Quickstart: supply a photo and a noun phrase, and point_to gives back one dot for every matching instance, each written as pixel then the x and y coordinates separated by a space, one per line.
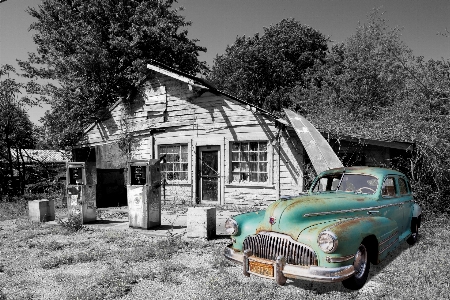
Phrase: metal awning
pixel 319 151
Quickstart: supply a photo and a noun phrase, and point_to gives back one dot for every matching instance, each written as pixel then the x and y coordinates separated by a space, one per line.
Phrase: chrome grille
pixel 270 245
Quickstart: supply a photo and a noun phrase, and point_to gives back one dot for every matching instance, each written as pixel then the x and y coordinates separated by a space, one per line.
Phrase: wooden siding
pixel 167 111
pixel 291 164
pixel 110 156
pixel 178 193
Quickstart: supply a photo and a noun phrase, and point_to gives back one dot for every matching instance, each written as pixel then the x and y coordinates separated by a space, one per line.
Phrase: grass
pixel 41 261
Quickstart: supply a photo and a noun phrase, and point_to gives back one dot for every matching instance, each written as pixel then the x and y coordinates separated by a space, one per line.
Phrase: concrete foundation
pixel 41 210
pixel 201 222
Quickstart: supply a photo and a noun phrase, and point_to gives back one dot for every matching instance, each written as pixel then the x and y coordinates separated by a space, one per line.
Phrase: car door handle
pixel 370 212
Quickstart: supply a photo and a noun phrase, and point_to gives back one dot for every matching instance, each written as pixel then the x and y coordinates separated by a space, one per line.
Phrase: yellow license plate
pixel 260 268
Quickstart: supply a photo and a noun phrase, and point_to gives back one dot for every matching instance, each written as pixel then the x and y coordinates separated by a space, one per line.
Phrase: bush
pixel 13 208
pixel 72 224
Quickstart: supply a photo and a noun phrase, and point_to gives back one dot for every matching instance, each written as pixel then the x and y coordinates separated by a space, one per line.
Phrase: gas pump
pixel 144 193
pixel 80 193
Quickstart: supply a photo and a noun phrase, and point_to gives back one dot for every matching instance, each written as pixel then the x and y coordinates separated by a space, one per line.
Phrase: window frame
pixel 407 187
pixel 188 162
pixel 268 162
pixel 396 188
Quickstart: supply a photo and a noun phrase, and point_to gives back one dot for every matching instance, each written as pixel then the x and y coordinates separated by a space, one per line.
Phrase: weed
pixel 168 272
pixel 13 208
pixel 72 224
pixel 70 259
pixel 49 245
pixel 168 246
pixel 138 254
pixel 64 278
pixel 219 288
pixel 114 283
pixel 219 261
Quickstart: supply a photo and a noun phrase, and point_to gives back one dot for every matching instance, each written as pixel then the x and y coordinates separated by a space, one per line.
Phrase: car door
pixel 406 198
pixel 391 205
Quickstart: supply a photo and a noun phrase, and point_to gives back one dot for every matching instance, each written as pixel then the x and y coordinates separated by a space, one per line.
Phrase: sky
pixel 217 23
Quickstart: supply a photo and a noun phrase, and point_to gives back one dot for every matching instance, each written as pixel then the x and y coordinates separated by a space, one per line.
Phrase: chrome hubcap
pixel 360 263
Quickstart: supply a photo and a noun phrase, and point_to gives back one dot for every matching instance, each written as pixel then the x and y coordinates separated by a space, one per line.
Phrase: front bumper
pixel 283 270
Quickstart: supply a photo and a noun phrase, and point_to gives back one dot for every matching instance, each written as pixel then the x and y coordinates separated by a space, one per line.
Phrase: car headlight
pixel 231 226
pixel 327 241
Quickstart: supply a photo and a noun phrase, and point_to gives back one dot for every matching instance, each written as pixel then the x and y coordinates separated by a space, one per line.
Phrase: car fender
pixel 417 210
pixel 350 233
pixel 247 224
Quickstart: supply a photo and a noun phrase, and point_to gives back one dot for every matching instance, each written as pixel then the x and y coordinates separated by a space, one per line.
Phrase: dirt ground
pixel 47 261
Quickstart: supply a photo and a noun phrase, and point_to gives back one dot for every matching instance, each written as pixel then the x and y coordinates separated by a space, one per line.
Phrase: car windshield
pixel 355 183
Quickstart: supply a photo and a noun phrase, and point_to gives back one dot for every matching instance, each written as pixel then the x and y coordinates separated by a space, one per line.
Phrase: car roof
pixel 375 171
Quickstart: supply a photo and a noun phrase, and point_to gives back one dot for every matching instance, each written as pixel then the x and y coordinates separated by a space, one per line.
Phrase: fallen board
pixel 319 151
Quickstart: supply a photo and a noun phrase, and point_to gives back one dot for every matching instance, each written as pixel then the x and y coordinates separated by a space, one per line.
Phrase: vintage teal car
pixel 349 218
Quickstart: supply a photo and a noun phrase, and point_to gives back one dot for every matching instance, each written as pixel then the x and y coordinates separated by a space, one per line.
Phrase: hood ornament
pixel 272 220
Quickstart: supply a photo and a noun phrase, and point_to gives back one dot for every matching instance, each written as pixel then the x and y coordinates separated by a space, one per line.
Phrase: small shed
pixel 215 148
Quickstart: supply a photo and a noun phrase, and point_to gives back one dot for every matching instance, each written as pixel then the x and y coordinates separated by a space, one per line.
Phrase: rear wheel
pixel 414 231
pixel 362 266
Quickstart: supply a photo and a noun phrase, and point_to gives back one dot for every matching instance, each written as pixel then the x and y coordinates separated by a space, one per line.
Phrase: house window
pixel 176 166
pixel 249 162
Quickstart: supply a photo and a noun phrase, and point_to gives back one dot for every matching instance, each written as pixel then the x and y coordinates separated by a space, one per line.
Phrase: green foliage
pixel 263 69
pixel 97 52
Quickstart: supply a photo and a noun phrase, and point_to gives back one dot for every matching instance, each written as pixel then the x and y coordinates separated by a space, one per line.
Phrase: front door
pixel 111 189
pixel 208 173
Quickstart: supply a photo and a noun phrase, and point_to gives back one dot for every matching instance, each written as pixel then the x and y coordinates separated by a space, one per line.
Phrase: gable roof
pixel 205 84
pixel 195 82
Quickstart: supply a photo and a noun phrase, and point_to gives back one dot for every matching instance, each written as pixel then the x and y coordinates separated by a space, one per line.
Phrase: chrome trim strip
pixel 342 221
pixel 395 233
pixel 324 213
pixel 393 242
pixel 339 259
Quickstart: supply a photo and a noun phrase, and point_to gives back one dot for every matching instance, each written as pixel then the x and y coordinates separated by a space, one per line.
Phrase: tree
pixel 15 133
pixel 263 69
pixel 372 86
pixel 97 51
pixel 362 75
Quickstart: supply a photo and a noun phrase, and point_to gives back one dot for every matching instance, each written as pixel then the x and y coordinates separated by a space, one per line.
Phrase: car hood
pixel 293 216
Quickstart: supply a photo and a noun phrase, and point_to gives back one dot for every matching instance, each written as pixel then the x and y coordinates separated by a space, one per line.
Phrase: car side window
pixel 388 189
pixel 403 187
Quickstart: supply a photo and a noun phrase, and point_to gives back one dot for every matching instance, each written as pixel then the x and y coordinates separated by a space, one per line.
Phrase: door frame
pixel 200 150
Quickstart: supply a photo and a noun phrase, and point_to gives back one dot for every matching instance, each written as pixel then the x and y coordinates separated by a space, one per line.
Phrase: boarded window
pixel 249 162
pixel 176 166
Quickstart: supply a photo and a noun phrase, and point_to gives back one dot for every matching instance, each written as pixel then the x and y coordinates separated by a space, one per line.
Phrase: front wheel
pixel 362 266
